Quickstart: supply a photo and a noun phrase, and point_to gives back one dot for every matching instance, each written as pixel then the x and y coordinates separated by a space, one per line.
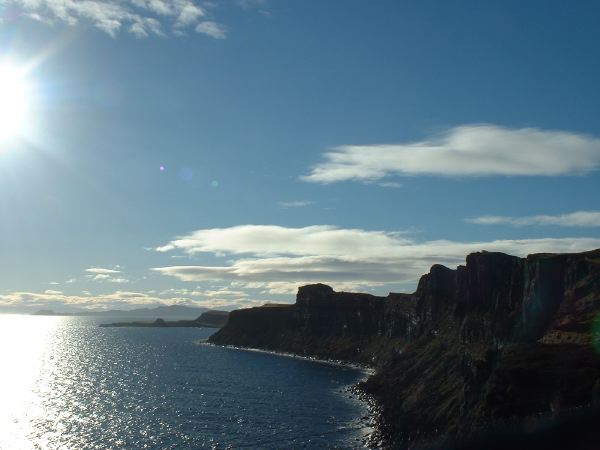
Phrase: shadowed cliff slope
pixel 495 341
pixel 326 324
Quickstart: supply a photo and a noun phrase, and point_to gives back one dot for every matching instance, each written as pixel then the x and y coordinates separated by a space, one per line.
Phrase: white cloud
pixel 284 274
pixel 117 280
pixel 172 291
pixel 142 18
pixel 106 275
pixel 391 184
pixel 188 14
pixel 574 219
pixel 209 295
pixel 280 259
pixel 212 29
pixel 469 150
pixel 296 204
pixel 225 293
pixel 102 271
pixel 101 277
pixel 117 299
pixel 271 240
pixel 160 7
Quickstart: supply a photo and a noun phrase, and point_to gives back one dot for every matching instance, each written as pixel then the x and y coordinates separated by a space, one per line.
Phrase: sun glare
pixel 13 101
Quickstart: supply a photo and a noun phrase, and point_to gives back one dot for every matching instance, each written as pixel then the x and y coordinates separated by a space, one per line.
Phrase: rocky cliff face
pixel 326 324
pixel 499 339
pixel 213 318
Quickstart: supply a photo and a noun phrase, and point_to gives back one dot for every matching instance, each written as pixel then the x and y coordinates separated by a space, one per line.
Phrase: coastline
pixel 366 369
pixel 371 425
pixel 441 373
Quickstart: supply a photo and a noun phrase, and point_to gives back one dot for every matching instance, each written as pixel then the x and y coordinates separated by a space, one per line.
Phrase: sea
pixel 66 383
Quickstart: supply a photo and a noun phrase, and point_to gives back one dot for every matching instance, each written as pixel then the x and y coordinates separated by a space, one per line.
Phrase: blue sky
pixel 354 143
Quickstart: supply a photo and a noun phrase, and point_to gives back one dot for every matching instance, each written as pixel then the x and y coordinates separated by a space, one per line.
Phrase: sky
pixel 223 153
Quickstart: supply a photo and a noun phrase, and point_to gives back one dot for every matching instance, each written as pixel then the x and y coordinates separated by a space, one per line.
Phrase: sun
pixel 14 101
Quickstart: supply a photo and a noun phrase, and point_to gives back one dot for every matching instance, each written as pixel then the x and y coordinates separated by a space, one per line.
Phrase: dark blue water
pixel 67 383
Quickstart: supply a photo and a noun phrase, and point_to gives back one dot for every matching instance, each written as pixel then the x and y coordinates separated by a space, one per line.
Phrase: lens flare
pixel 14 101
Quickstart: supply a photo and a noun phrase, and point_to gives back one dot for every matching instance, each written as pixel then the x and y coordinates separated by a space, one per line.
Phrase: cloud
pixel 188 14
pixel 465 151
pixel 142 18
pixel 279 259
pixel 49 297
pixel 574 219
pixel 117 280
pixel 225 293
pixel 285 274
pixel 390 184
pixel 296 204
pixel 109 279
pixel 106 275
pixel 101 271
pixel 200 293
pixel 173 291
pixel 212 29
pixel 117 299
pixel 267 240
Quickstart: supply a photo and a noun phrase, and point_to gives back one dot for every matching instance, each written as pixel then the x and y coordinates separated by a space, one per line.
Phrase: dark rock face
pixel 325 324
pixel 498 340
pixel 314 295
pixel 213 318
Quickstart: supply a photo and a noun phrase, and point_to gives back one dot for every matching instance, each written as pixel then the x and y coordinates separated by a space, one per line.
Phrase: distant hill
pixel 208 319
pixel 164 312
pixel 47 312
pixel 173 312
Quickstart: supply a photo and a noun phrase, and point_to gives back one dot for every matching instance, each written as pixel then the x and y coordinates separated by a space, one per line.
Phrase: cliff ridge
pixel 498 340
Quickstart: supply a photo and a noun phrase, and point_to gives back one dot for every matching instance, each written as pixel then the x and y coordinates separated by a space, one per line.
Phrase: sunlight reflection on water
pixel 22 376
pixel 66 383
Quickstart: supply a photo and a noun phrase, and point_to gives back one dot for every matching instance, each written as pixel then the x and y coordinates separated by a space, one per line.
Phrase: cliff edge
pixel 501 340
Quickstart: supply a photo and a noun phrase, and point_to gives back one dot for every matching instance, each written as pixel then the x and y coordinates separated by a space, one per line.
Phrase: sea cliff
pixel 501 340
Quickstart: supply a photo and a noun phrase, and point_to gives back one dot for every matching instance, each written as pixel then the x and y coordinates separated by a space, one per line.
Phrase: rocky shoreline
pixel 500 342
pixel 366 369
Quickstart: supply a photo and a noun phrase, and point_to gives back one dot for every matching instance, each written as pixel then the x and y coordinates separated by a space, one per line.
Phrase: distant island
pixel 49 312
pixel 173 312
pixel 208 319
pixel 501 353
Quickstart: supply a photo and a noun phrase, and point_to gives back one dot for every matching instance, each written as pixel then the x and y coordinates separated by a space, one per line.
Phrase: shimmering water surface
pixel 67 383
